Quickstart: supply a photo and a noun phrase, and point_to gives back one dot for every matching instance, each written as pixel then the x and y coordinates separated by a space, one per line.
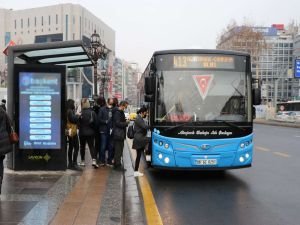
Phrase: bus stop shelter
pixel 36 95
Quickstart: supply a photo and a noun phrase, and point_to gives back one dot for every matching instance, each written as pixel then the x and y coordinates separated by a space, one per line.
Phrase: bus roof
pixel 200 51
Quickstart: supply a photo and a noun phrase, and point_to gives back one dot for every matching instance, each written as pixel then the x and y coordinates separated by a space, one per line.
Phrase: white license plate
pixel 204 162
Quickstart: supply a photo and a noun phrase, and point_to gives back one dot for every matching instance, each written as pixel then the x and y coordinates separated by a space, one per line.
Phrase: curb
pixel 277 123
pixel 142 214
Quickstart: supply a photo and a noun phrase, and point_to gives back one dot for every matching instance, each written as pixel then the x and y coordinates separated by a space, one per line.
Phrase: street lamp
pixel 97 50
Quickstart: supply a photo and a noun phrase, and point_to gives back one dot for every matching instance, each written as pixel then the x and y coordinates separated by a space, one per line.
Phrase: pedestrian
pixel 87 126
pixel 72 120
pixel 5 144
pixel 99 102
pixel 140 139
pixel 116 102
pixel 105 129
pixel 3 104
pixel 119 134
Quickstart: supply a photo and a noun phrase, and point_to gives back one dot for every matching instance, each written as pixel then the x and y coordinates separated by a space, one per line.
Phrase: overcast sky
pixel 145 26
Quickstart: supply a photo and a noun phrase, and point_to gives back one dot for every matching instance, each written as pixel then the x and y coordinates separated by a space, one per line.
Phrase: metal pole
pixel 275 94
pixel 95 78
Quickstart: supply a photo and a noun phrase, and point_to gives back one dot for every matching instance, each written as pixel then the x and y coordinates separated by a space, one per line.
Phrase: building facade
pixel 125 80
pixel 296 88
pixel 272 60
pixel 61 22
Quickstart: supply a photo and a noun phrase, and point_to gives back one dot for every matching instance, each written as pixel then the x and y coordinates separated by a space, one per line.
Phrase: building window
pixel 28 22
pixel 35 21
pixel 42 21
pixel 49 20
pixel 22 23
pixel 15 24
pixel 73 36
pixel 56 19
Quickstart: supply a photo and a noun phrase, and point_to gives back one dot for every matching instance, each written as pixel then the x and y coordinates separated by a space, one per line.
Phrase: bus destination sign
pixel 203 62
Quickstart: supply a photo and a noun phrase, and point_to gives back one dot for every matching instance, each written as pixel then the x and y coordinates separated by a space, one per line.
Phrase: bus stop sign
pixel 297 68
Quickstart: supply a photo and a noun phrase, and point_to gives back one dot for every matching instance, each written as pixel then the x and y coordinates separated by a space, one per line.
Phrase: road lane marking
pixel 262 149
pixel 282 154
pixel 152 213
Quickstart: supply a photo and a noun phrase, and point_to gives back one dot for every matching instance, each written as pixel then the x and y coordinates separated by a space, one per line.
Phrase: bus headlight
pixel 167 160
pixel 160 156
pixel 160 143
pixel 242 145
pixel 247 156
pixel 242 159
pixel 166 145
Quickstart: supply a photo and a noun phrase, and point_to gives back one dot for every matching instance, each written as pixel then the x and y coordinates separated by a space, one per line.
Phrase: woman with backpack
pixel 87 127
pixel 140 139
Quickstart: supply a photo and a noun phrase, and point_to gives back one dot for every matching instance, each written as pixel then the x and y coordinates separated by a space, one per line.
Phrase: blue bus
pixel 200 109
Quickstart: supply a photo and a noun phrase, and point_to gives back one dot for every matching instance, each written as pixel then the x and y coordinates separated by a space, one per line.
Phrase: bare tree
pixel 243 38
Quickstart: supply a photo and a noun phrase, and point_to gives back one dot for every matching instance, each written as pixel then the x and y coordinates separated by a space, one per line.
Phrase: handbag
pixel 130 132
pixel 13 136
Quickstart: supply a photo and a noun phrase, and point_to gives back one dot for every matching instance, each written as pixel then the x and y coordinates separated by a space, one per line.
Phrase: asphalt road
pixel 268 193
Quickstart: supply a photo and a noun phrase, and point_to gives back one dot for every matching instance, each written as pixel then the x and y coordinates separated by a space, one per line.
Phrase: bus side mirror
pixel 149 89
pixel 256 95
pixel 256 92
pixel 149 85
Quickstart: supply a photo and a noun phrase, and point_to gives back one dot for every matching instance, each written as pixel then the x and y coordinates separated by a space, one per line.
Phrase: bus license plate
pixel 204 162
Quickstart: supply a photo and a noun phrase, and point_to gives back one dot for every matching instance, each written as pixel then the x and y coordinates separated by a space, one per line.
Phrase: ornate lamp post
pixel 97 50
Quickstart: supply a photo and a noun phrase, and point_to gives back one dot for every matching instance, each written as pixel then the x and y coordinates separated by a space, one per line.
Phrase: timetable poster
pixel 39 110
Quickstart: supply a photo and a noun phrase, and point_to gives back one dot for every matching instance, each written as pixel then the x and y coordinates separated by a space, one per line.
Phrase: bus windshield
pixel 201 95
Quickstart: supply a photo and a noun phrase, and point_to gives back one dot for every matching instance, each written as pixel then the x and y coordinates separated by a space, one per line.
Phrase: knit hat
pixel 3 101
pixel 85 103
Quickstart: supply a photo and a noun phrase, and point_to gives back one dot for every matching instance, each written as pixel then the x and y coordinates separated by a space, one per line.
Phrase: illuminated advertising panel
pixel 40 110
pixel 297 68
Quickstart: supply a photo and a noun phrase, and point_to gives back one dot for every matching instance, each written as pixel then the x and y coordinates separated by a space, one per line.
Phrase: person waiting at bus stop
pixel 87 125
pixel 119 134
pixel 140 139
pixel 72 120
pixel 105 121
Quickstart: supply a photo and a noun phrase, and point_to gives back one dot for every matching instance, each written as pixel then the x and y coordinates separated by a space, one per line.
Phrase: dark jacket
pixel 87 122
pixel 105 119
pixel 5 145
pixel 72 117
pixel 140 132
pixel 119 125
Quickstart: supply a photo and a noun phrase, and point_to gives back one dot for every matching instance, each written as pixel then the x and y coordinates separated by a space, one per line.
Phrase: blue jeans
pixel 106 144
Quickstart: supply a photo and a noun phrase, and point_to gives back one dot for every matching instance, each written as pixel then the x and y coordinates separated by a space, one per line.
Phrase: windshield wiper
pixel 229 124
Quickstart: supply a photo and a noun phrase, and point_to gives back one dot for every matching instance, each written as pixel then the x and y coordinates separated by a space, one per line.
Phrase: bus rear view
pixel 201 109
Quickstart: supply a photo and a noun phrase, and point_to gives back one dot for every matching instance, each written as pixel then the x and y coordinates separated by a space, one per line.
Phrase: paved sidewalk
pixel 90 197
